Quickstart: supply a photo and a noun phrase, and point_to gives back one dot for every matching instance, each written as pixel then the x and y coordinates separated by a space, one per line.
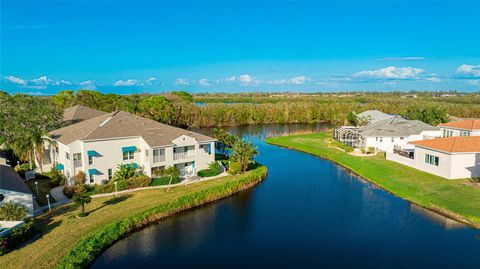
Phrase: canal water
pixel 308 213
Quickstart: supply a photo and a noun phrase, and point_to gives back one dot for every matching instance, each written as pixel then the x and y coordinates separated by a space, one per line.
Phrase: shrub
pixel 163 181
pixel 215 168
pixel 139 181
pixel 56 178
pixel 17 237
pixel 12 211
pixel 206 173
pixel 235 168
pixel 363 150
pixel 69 191
pixel 371 150
pixel 124 172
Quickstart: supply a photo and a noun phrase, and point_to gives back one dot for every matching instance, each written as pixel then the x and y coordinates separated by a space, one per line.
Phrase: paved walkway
pixel 57 194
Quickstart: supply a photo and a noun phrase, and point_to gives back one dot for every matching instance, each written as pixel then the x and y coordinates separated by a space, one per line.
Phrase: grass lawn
pixel 448 197
pixel 61 230
pixel 43 188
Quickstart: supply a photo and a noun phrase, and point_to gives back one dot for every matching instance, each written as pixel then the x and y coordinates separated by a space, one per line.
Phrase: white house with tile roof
pixel 98 146
pixel 469 127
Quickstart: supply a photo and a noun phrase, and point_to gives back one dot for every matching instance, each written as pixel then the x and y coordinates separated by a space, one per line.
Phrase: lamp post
pixel 48 200
pixel 36 187
pixel 115 188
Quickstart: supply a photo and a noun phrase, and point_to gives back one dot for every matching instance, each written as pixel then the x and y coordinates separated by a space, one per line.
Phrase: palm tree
pixel 171 172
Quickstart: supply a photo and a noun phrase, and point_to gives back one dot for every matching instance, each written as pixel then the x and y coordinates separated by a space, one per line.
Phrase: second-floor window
pixel 158 155
pixel 90 160
pixel 128 155
pixel 110 173
pixel 77 156
pixel 67 155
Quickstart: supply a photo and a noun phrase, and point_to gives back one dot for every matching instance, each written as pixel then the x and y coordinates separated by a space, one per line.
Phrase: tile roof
pixel 79 113
pixel 396 127
pixel 454 144
pixel 121 124
pixel 472 124
pixel 10 180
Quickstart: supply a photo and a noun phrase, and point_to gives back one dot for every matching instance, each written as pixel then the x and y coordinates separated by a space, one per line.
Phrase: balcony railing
pixel 182 155
pixel 158 159
pixel 77 163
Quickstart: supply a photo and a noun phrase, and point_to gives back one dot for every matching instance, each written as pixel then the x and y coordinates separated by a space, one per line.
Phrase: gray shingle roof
pixel 397 127
pixel 123 124
pixel 79 113
pixel 374 116
pixel 10 180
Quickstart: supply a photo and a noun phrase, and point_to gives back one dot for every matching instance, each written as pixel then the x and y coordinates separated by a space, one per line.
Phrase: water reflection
pixel 308 213
pixel 446 223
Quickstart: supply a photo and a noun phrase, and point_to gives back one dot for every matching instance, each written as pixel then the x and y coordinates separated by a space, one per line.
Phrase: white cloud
pixel 128 82
pixel 244 79
pixel 183 81
pixel 88 85
pixel 204 82
pixel 42 80
pixel 151 80
pixel 390 72
pixel 412 58
pixel 295 80
pixel 468 71
pixel 16 80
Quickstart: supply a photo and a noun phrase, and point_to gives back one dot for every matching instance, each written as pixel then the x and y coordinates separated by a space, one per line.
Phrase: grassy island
pixel 447 197
pixel 66 241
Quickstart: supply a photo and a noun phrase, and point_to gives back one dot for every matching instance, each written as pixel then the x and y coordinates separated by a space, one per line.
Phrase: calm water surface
pixel 308 213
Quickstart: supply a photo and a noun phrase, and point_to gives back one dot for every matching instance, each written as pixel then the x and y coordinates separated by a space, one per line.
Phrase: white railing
pixel 158 159
pixel 182 155
pixel 77 163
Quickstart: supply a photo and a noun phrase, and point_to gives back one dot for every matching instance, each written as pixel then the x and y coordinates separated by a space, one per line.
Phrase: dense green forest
pixel 224 109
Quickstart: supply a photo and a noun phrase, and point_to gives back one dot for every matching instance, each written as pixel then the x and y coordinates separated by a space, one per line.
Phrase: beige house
pixel 99 145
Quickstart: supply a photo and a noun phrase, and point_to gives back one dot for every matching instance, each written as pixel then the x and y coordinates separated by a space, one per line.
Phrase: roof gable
pixel 79 113
pixel 397 127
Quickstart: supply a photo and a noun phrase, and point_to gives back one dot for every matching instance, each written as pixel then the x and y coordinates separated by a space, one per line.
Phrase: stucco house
pixel 450 157
pixel 394 133
pixel 469 127
pixel 13 189
pixel 99 145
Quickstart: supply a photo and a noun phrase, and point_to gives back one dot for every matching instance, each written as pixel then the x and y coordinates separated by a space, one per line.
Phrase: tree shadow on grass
pixel 112 201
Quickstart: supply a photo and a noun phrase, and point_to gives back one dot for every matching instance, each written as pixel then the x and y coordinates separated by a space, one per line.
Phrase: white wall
pixel 400 159
pixel 466 165
pixel 458 132
pixel 387 143
pixel 445 162
pixel 24 199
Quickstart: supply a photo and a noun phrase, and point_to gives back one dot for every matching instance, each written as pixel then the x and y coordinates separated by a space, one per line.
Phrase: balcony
pixel 77 163
pixel 183 155
pixel 158 158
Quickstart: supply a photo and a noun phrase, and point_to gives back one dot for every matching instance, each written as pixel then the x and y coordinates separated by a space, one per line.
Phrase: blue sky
pixel 132 47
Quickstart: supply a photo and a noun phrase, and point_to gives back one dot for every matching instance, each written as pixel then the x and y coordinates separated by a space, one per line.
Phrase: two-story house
pixel 98 146
pixel 469 127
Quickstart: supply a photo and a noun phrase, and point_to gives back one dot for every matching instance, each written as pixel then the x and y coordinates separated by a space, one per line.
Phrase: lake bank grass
pixel 448 197
pixel 67 241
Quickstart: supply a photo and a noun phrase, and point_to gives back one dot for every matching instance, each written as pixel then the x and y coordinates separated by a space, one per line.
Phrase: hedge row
pixel 17 237
pixel 95 243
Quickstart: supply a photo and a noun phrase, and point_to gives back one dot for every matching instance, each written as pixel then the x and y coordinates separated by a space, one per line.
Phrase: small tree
pixel 225 140
pixel 243 153
pixel 214 168
pixel 79 178
pixel 124 172
pixel 171 172
pixel 12 211
pixel 81 197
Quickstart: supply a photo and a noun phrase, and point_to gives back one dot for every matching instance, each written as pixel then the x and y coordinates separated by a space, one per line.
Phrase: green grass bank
pixel 448 197
pixel 67 241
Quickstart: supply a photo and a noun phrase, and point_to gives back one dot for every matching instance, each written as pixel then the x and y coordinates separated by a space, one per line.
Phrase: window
pixel 444 133
pixel 158 155
pixel 128 155
pixel 77 156
pixel 146 153
pixel 392 139
pixel 433 160
pixel 376 138
pixel 464 133
pixel 381 139
pixel 67 155
pixel 401 138
pixel 90 160
pixel 207 148
pixel 110 173
pixel 91 178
